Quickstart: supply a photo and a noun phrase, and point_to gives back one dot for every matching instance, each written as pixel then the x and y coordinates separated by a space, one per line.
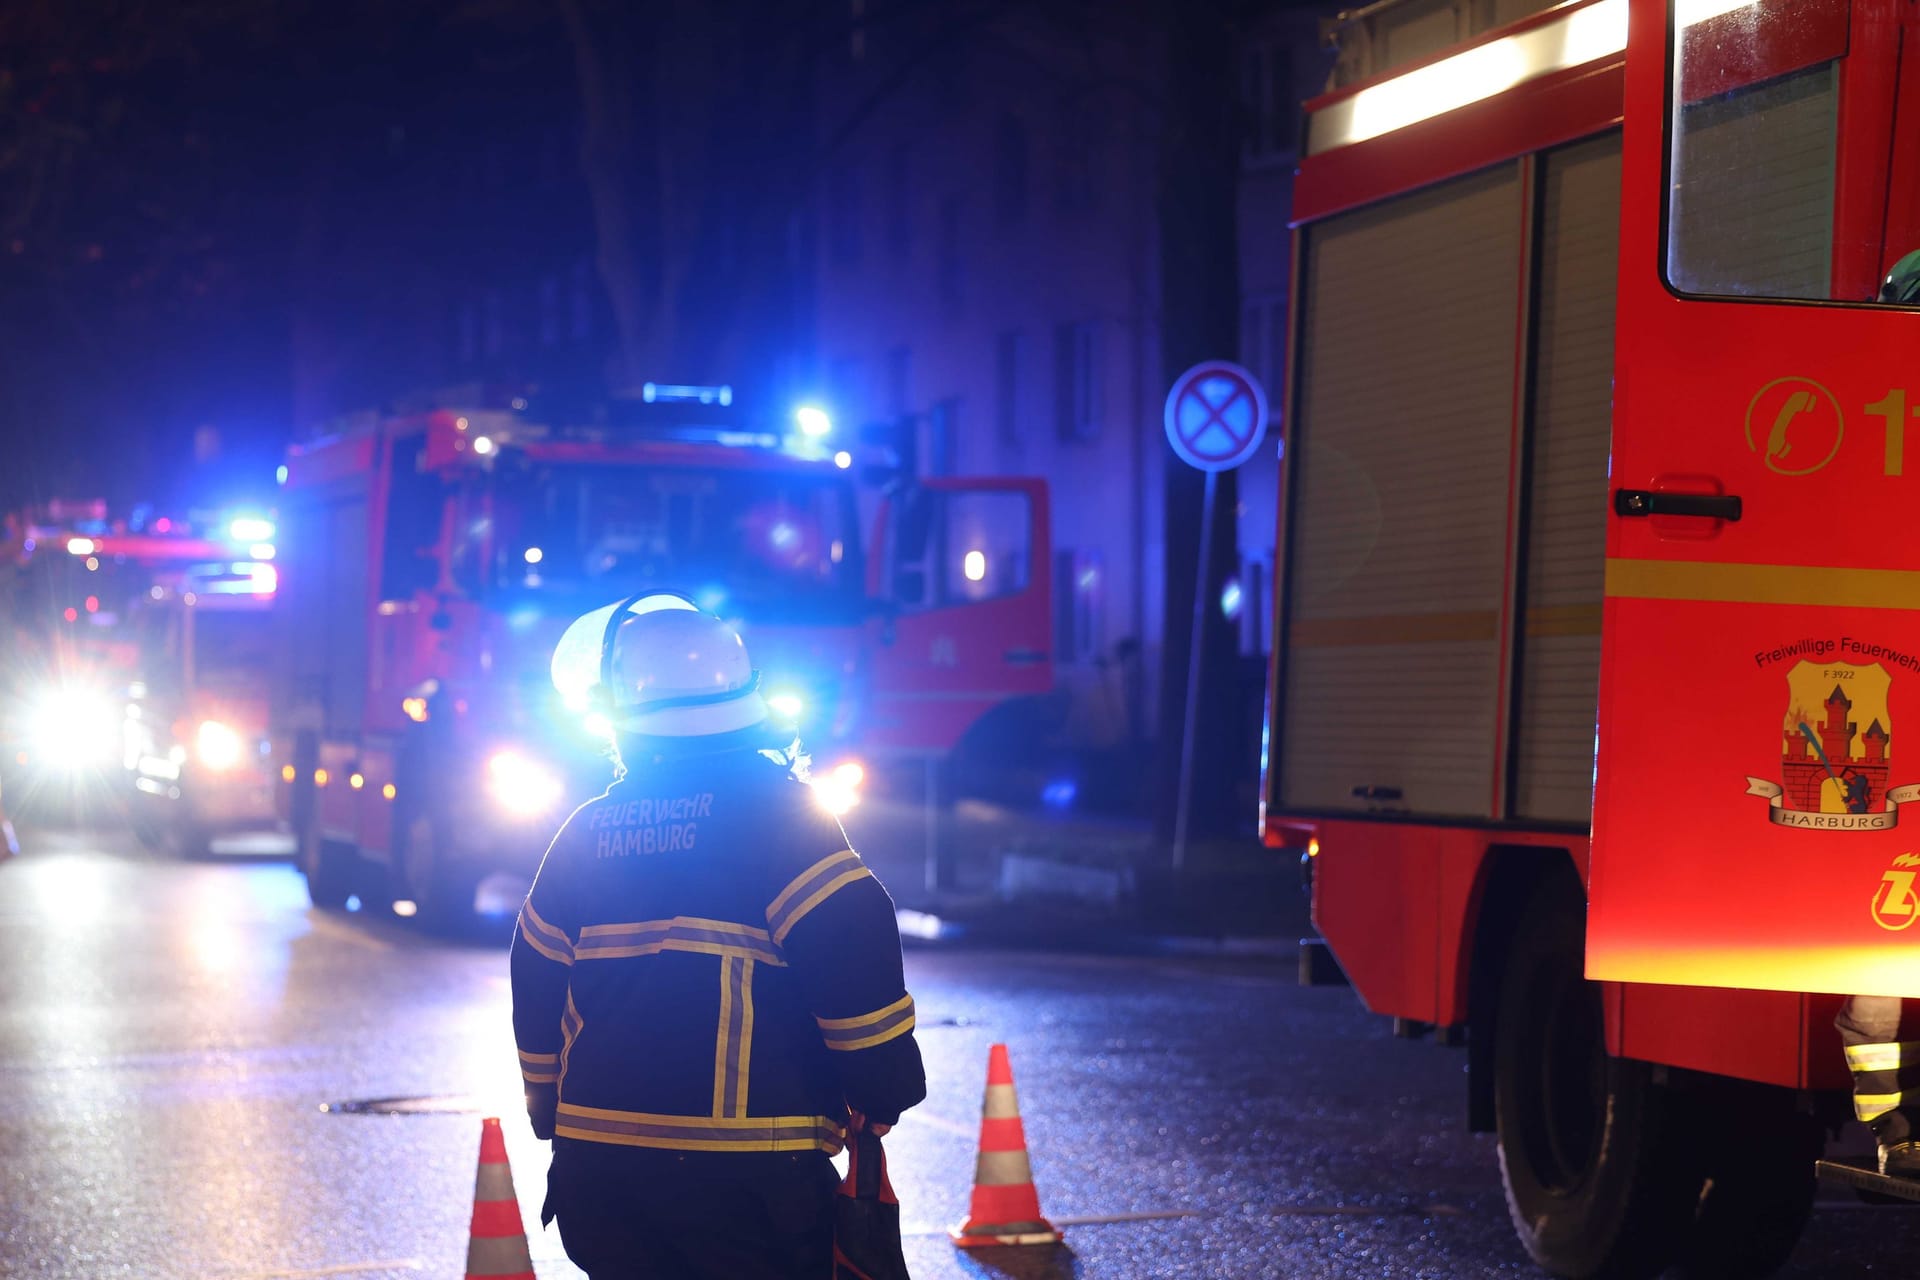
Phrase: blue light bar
pixel 685 393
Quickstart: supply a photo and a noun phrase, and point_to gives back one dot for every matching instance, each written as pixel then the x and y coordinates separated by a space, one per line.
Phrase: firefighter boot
pixel 1899 1137
pixel 1901 1160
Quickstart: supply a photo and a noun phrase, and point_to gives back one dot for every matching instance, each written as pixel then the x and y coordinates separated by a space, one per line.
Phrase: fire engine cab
pixel 430 562
pixel 82 595
pixel 1595 600
pixel 195 741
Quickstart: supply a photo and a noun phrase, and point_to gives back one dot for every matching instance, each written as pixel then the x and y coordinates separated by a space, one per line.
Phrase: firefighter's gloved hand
pixel 856 1122
pixel 543 1103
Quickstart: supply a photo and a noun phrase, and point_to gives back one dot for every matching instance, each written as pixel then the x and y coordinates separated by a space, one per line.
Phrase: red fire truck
pixel 429 563
pixel 78 591
pixel 195 742
pixel 1594 600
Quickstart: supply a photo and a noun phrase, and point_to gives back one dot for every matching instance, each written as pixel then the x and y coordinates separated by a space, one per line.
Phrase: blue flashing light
pixel 250 529
pixel 783 535
pixel 280 474
pixel 1060 793
pixel 843 459
pixel 813 420
pixel 685 393
pixel 1231 598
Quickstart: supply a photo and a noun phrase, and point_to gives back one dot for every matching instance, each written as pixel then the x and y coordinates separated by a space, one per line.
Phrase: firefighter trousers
pixel 629 1213
pixel 1884 1057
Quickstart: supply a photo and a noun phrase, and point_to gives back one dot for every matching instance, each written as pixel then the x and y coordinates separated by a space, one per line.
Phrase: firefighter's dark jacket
pixel 703 964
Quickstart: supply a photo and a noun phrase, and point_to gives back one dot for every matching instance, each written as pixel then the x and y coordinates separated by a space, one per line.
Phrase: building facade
pixel 986 264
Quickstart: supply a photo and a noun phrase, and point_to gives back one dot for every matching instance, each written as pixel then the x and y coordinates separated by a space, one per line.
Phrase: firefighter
pixel 707 986
pixel 1886 1069
pixel 1886 1078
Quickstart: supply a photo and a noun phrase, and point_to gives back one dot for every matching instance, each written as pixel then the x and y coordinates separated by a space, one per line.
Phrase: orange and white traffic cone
pixel 1006 1208
pixel 497 1243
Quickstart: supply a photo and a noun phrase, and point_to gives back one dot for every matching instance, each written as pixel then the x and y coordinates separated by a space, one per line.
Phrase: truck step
pixel 1863 1177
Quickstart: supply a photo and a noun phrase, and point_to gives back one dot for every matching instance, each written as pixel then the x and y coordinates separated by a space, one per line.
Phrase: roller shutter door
pixel 1559 666
pixel 1400 499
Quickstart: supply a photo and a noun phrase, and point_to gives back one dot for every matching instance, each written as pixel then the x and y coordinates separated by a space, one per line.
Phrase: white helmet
pixel 656 665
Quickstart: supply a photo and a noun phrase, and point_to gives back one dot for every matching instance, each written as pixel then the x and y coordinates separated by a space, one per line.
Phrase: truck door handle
pixel 1024 657
pixel 1645 502
pixel 1377 793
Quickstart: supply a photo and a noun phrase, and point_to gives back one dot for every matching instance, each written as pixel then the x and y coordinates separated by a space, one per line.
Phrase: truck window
pixel 1755 116
pixel 987 546
pixel 954 548
pixel 408 563
pixel 735 537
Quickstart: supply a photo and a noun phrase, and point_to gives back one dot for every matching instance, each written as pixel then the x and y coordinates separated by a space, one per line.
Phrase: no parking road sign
pixel 1216 415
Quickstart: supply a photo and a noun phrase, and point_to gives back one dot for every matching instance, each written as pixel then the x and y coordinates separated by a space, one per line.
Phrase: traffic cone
pixel 497 1244
pixel 1006 1208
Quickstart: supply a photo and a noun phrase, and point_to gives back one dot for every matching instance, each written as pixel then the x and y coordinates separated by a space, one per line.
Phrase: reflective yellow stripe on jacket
pixel 542 937
pixel 701 1133
pixel 869 1029
pixel 811 888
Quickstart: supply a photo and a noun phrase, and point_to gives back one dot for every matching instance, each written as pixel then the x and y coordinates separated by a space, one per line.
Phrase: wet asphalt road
pixel 169 1031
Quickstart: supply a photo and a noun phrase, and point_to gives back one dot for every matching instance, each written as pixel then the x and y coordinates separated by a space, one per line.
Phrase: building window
pixel 900 199
pixel 1270 103
pixel 1276 370
pixel 1009 171
pixel 843 221
pixel 1009 368
pixel 899 380
pixel 1263 340
pixel 943 437
pixel 1252 329
pixel 951 279
pixel 1077 381
pixel 1077 584
pixel 1076 169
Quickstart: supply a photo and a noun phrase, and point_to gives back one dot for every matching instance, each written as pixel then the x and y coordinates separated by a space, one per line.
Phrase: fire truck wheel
pixel 328 867
pixel 1599 1185
pixel 1760 1152
pixel 190 840
pixel 442 893
pixel 148 830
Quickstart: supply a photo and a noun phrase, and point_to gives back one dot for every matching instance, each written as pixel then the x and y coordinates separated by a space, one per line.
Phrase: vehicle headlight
pixel 217 746
pixel 837 790
pixel 524 788
pixel 70 728
pixel 786 704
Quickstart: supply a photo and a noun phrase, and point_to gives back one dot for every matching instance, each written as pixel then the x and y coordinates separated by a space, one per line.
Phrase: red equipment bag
pixel 866 1216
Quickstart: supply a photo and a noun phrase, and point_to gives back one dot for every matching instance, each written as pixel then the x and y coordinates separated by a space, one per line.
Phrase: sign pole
pixel 1216 417
pixel 1191 728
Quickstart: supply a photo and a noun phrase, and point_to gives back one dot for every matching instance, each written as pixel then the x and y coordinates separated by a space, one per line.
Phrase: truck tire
pixel 442 890
pixel 328 866
pixel 1759 1152
pixel 1599 1184
pixel 190 840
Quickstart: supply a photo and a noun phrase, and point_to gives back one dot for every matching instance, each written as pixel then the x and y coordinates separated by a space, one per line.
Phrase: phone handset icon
pixel 1777 444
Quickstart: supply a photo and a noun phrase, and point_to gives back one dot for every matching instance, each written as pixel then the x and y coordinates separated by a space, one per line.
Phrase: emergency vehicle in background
pixel 1593 423
pixel 76 581
pixel 431 561
pixel 195 741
